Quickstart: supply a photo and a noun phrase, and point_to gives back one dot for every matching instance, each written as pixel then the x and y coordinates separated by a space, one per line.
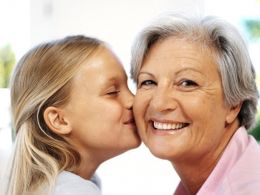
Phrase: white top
pixel 68 183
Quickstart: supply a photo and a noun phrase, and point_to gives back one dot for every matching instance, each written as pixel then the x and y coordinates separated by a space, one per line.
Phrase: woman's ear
pixel 233 113
pixel 56 121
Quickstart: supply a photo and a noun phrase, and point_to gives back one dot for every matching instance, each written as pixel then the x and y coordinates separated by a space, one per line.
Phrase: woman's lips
pixel 169 126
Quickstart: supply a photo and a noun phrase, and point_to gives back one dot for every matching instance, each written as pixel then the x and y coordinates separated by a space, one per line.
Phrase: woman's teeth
pixel 168 126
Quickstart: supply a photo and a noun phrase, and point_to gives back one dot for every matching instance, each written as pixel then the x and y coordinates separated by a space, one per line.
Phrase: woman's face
pixel 100 108
pixel 179 105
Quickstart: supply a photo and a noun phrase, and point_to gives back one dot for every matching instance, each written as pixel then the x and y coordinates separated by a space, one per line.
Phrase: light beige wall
pixel 115 21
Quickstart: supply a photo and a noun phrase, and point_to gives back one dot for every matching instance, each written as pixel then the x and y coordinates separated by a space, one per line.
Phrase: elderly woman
pixel 196 99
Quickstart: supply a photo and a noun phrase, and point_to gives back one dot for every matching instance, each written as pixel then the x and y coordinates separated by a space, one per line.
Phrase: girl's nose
pixel 129 100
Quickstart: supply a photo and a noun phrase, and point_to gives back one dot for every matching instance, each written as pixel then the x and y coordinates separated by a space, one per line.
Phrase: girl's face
pixel 100 108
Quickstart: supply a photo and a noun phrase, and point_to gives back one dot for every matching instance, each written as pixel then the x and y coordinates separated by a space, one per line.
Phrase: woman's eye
pixel 188 83
pixel 147 83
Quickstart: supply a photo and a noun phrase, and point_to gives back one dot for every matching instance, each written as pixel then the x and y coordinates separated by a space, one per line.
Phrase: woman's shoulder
pixel 68 183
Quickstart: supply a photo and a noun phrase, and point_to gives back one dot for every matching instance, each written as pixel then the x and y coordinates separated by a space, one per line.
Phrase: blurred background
pixel 25 23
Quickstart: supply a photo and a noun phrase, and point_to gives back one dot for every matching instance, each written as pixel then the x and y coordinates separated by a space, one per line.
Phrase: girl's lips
pixel 130 121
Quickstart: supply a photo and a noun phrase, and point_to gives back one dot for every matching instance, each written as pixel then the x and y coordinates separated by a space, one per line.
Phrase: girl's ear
pixel 233 113
pixel 56 121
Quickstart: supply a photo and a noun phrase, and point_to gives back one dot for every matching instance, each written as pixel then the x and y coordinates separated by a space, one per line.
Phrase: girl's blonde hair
pixel 40 79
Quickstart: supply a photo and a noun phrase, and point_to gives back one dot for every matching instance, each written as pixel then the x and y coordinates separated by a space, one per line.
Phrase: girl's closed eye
pixel 113 93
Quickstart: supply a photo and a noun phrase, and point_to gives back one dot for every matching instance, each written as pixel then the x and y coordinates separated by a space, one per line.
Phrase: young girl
pixel 71 110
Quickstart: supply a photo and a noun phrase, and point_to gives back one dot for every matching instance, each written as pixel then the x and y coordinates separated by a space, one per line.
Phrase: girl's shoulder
pixel 68 183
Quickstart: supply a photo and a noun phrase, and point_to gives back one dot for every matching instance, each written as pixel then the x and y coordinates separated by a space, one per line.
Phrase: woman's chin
pixel 164 153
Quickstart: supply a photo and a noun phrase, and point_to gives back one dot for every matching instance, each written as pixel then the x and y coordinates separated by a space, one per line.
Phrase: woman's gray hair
pixel 225 42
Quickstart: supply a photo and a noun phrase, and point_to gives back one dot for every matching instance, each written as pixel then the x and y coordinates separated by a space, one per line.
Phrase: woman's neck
pixel 193 175
pixel 195 171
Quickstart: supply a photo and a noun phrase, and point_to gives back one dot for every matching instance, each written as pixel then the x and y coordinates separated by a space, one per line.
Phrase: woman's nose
pixel 162 100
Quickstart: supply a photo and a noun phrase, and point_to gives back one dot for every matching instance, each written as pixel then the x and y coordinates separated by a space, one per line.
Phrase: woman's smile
pixel 168 127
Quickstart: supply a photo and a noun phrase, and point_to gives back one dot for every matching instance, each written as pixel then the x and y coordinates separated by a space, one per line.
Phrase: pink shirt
pixel 238 170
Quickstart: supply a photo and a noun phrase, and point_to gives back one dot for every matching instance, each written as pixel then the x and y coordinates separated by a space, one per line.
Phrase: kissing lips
pixel 129 121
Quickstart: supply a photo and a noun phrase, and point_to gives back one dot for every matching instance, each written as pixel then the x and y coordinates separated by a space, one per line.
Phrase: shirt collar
pixel 230 156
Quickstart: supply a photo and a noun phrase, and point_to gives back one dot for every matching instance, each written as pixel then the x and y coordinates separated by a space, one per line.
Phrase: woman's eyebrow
pixel 144 72
pixel 189 69
pixel 186 69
